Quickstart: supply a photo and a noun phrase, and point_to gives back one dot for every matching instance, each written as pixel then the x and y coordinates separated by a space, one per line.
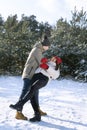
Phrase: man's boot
pixel 42 113
pixel 20 116
pixel 37 117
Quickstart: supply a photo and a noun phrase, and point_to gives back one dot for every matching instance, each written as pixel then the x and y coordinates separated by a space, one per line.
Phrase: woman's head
pixel 56 59
pixel 53 59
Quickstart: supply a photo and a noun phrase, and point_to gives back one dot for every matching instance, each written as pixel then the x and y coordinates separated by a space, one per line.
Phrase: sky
pixel 64 100
pixel 44 10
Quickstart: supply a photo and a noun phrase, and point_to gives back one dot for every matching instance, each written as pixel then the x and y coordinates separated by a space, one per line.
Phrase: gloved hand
pixel 44 60
pixel 44 66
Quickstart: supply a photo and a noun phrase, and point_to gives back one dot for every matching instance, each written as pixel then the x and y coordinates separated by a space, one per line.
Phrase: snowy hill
pixel 65 102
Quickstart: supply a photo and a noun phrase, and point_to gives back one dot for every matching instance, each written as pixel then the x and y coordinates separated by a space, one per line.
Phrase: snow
pixel 65 102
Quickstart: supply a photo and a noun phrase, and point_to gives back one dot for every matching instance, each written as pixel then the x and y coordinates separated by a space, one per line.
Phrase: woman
pixel 47 71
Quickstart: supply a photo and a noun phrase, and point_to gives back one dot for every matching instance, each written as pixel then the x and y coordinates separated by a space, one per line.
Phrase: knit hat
pixel 58 59
pixel 45 41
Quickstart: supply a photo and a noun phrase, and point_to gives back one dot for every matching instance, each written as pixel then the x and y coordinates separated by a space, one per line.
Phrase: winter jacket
pixel 51 73
pixel 33 61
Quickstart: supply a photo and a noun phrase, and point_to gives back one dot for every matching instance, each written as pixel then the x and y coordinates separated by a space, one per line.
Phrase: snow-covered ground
pixel 65 102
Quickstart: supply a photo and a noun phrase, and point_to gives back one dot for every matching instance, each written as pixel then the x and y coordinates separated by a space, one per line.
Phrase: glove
pixel 44 60
pixel 44 66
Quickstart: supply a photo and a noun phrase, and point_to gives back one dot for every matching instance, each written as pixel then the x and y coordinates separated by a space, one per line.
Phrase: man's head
pixel 45 43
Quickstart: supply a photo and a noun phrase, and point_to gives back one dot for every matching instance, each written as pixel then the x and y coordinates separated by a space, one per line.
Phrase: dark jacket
pixel 33 61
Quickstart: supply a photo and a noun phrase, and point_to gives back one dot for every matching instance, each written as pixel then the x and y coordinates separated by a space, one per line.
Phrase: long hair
pixel 57 66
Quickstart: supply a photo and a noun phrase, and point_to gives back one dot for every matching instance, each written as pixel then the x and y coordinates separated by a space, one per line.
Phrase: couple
pixel 47 70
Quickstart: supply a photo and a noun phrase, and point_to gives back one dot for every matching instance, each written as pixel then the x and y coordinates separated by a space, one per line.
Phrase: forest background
pixel 68 41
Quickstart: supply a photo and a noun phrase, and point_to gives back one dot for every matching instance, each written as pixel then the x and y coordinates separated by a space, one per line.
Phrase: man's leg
pixel 35 97
pixel 19 115
pixel 35 106
pixel 26 87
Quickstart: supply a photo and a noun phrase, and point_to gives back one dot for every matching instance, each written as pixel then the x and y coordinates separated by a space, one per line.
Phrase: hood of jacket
pixel 39 45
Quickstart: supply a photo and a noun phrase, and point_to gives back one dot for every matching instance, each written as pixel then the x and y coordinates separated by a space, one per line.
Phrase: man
pixel 32 63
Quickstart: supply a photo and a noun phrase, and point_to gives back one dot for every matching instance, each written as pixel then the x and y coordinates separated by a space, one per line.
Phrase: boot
pixel 37 117
pixel 20 116
pixel 17 106
pixel 42 113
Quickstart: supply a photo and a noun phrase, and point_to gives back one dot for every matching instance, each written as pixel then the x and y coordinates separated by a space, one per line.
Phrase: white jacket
pixel 51 73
